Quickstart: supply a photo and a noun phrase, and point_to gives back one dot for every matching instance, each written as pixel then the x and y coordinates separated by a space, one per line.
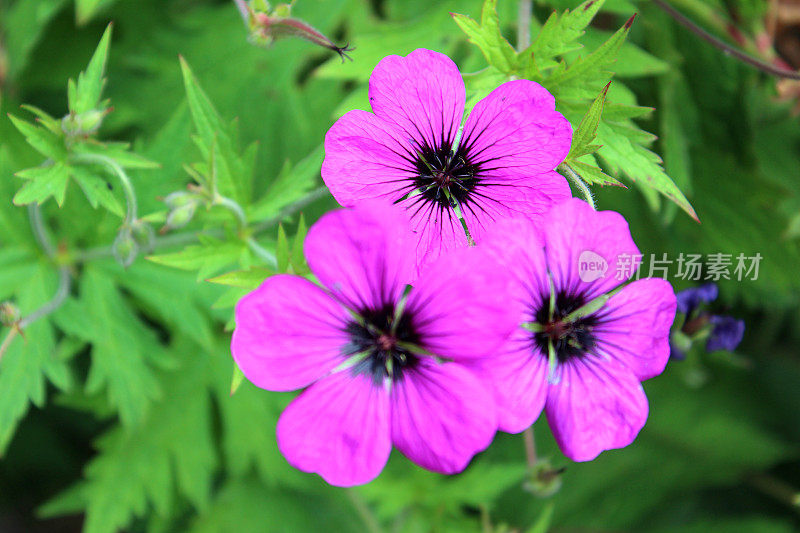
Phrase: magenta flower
pixel 383 365
pixel 409 151
pixel 582 353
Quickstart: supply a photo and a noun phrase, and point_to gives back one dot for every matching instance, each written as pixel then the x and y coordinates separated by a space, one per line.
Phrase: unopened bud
pixel 9 313
pixel 143 234
pixel 179 199
pixel 125 248
pixel 85 123
pixel 543 480
pixel 267 25
pixel 180 216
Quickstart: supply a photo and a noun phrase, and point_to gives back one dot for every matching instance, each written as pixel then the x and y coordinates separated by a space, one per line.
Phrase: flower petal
pixel 366 157
pixel 596 405
pixel 496 199
pixel 518 375
pixel 423 93
pixel 635 324
pixel 339 429
pixel 577 238
pixel 364 255
pixel 516 130
pixel 289 333
pixel 460 305
pixel 442 415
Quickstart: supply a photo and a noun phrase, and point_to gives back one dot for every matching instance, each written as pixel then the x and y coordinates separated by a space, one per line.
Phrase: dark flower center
pixel 381 343
pixel 444 175
pixel 571 338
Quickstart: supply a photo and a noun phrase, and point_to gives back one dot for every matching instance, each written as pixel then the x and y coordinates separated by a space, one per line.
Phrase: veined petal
pixel 516 130
pixel 364 255
pixel 366 157
pixel 634 326
pixel 460 305
pixel 423 93
pixel 289 333
pixel 442 415
pixel 588 252
pixel 597 405
pixel 339 429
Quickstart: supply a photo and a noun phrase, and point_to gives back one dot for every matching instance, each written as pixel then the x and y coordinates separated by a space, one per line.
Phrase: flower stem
pixel 524 25
pixel 530 446
pixel 234 207
pixel 576 180
pixel 64 280
pixel 725 47
pixel 264 254
pixel 372 524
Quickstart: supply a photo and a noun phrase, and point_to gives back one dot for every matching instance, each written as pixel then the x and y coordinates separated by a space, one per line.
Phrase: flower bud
pixel 125 248
pixel 143 234
pixel 9 313
pixel 85 123
pixel 543 480
pixel 179 199
pixel 180 216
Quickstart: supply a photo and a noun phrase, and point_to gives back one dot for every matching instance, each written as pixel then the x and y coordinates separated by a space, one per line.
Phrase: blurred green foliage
pixel 116 410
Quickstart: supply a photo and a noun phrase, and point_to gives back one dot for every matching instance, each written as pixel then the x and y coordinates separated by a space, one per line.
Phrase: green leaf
pixel 298 258
pixel 578 79
pixel 172 449
pixel 245 279
pixel 282 250
pixel 207 258
pixel 118 151
pixel 542 524
pixel 43 140
pixel 29 360
pixel 624 151
pixel 121 346
pixel 97 190
pixel 85 10
pixel 293 182
pixel 487 36
pixel 43 182
pixel 560 34
pixel 85 94
pixel 587 130
pixel 236 379
pixel 234 170
pixel 591 173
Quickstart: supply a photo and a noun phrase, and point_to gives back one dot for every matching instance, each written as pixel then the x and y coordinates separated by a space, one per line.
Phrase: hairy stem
pixel 524 25
pixel 725 47
pixel 530 446
pixel 234 207
pixel 576 180
pixel 64 280
pixel 179 239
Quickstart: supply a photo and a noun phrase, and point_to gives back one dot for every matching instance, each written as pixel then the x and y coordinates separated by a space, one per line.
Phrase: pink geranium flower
pixel 409 152
pixel 602 345
pixel 383 364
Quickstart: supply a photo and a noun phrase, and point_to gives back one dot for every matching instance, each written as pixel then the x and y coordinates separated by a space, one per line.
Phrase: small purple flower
pixel 726 334
pixel 383 364
pixel 690 299
pixel 581 353
pixel 410 151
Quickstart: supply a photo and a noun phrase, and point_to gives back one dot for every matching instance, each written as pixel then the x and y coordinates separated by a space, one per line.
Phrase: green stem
pixel 524 25
pixel 264 254
pixel 242 6
pixel 371 523
pixel 576 180
pixel 530 446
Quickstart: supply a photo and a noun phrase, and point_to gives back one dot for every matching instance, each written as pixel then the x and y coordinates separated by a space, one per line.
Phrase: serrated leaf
pixel 587 130
pixel 44 141
pixel 559 35
pixel 623 152
pixel 89 88
pixel 591 173
pixel 207 258
pixel 97 190
pixel 293 182
pixel 575 80
pixel 121 346
pixel 118 151
pixel 173 449
pixel 236 379
pixel 29 360
pixel 43 182
pixel 487 36
pixel 298 258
